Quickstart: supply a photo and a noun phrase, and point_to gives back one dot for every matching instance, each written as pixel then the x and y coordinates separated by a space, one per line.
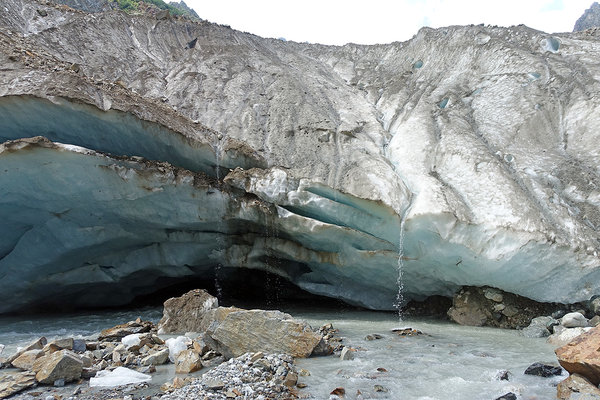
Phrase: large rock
pixel 574 320
pixel 486 306
pixel 186 313
pixel 15 382
pixel 582 355
pixel 25 361
pixel 577 387
pixel 261 331
pixel 62 364
pixel 37 344
pixel 539 327
pixel 563 336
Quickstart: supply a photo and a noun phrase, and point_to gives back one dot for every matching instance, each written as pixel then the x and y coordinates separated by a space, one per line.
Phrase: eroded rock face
pixel 492 307
pixel 478 138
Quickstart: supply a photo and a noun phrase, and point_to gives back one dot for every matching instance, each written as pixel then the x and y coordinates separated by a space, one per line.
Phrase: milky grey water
pixel 448 362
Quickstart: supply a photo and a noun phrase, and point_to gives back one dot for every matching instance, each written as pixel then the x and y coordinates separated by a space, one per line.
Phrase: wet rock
pixel 503 375
pixel 118 332
pixel 582 355
pixel 475 306
pixel 574 320
pixel 379 388
pixel 15 382
pixel 508 396
pixel 187 361
pixel 347 354
pixel 543 370
pixel 373 336
pixel 538 327
pixel 338 391
pixel 577 387
pixel 323 348
pixel 407 332
pixel 62 364
pixel 258 330
pixel 186 313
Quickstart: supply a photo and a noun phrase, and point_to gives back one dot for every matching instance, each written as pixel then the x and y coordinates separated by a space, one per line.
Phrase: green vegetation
pixel 133 5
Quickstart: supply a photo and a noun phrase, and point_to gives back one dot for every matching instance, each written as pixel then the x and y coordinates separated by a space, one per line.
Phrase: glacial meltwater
pixel 448 361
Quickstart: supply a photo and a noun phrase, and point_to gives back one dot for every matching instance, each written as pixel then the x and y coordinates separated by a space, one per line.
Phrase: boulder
pixel 186 313
pixel 562 335
pixel 594 305
pixel 116 333
pixel 538 327
pixel 15 382
pixel 258 330
pixel 25 361
pixel 582 355
pixel 543 370
pixel 574 320
pixel 62 364
pixel 37 344
pixel 577 387
pixel 188 361
pixel 485 306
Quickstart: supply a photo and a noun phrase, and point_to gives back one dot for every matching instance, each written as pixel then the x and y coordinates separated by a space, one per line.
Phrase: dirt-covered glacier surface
pixel 480 142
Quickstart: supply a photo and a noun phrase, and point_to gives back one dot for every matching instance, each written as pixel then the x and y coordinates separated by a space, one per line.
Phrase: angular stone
pixel 15 382
pixel 118 332
pixel 577 387
pixel 25 360
pixel 158 358
pixel 37 344
pixel 186 313
pixel 582 355
pixel 290 379
pixel 347 354
pixel 188 361
pixel 543 370
pixel 258 330
pixel 62 364
pixel 574 320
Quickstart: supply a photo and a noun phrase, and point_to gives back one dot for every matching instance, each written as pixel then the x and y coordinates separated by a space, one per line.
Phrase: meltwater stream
pixel 447 362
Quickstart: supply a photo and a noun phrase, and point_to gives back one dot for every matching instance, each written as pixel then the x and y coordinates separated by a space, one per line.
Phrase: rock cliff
pixel 589 19
pixel 469 151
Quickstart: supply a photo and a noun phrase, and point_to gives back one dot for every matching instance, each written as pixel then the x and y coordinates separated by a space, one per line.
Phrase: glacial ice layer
pixel 469 152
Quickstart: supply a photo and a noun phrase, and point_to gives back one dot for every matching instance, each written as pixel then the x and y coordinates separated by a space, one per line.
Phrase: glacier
pixel 160 161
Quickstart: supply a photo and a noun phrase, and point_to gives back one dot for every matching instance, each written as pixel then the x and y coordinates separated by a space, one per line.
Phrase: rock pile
pixel 486 306
pixel 251 376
